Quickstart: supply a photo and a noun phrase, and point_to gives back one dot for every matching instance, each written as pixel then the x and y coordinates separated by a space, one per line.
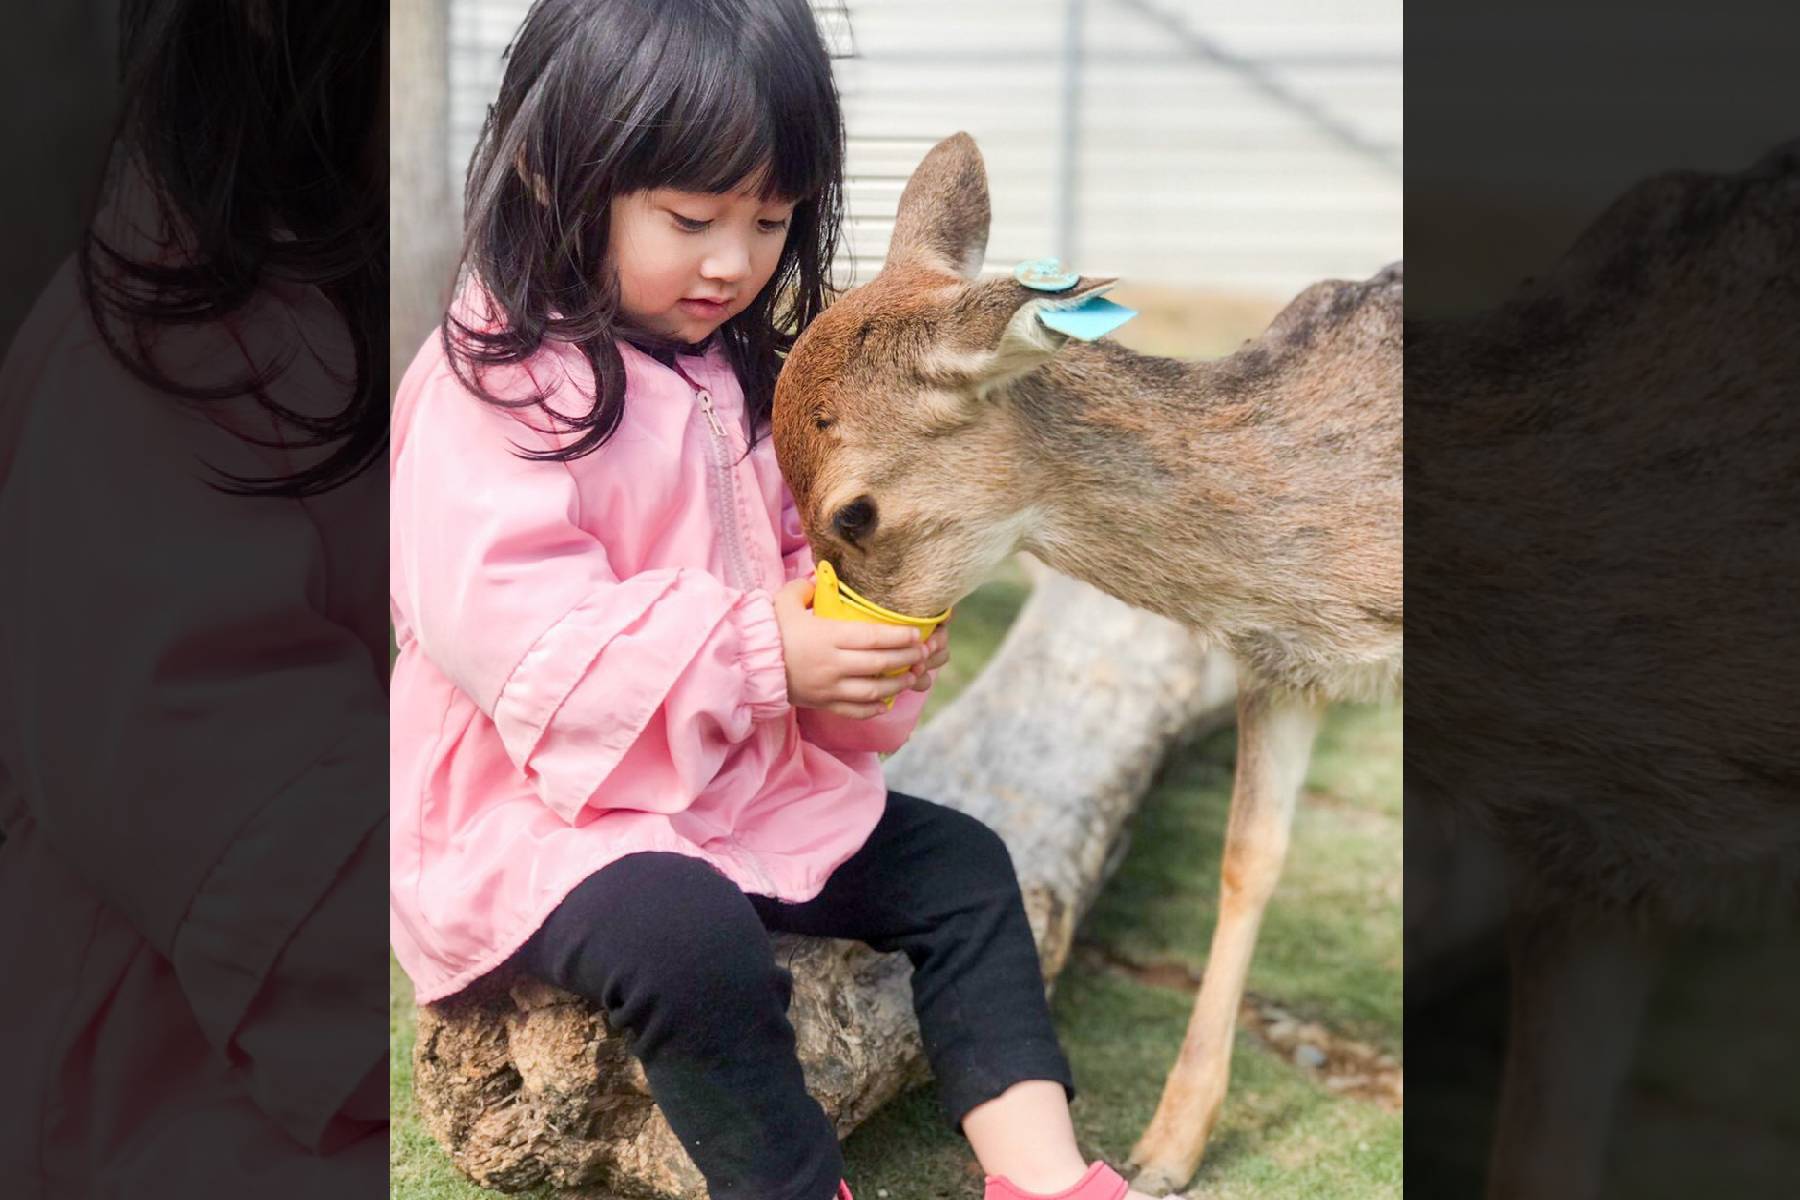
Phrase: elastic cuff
pixel 970 1074
pixel 759 650
pixel 563 658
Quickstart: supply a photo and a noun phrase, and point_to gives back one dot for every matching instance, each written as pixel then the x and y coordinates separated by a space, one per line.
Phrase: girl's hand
pixel 937 653
pixel 839 665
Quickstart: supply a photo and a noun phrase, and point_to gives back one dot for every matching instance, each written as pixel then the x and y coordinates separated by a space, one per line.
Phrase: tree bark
pixel 1053 745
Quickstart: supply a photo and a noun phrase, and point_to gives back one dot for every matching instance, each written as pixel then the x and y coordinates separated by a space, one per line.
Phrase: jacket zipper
pixel 737 561
pixel 739 573
pixel 737 564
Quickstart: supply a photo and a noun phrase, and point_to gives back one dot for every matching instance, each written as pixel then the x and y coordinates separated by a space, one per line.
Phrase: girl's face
pixel 677 250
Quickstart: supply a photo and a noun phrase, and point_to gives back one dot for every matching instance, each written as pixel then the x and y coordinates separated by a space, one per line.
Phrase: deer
pixel 929 425
pixel 1602 467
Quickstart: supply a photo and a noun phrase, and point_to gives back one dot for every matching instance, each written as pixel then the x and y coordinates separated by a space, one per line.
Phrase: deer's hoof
pixel 1158 1179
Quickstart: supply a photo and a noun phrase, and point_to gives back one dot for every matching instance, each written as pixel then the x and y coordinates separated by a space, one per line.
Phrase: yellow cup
pixel 834 599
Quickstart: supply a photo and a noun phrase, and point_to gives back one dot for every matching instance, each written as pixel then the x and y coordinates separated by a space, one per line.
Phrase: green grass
pixel 1330 948
pixel 1281 1134
pixel 1330 951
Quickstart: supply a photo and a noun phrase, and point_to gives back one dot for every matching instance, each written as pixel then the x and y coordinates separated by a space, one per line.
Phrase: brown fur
pixel 1257 499
pixel 1606 469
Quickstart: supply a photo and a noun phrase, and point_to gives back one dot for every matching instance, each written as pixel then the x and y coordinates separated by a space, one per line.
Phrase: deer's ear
pixel 1017 339
pixel 942 223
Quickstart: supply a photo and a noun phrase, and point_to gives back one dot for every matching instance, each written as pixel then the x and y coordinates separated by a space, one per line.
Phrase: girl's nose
pixel 728 262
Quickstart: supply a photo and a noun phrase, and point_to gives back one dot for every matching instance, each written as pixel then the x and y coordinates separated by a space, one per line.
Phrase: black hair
pixel 252 128
pixel 602 98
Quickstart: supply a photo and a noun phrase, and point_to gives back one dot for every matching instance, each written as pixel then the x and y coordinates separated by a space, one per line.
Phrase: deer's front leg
pixel 1579 986
pixel 1275 735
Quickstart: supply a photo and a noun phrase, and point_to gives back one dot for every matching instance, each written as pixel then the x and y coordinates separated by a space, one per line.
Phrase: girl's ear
pixel 534 183
pixel 943 219
pixel 1004 321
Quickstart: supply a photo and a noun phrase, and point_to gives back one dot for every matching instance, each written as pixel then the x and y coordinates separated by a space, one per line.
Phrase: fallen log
pixel 1053 745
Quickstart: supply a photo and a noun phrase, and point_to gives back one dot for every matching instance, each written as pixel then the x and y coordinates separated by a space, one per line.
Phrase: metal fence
pixel 1227 146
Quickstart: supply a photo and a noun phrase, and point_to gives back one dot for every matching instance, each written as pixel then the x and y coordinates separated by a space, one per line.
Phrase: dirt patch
pixel 1342 1064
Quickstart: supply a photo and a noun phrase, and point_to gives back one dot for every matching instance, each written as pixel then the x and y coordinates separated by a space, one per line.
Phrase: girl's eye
pixel 688 224
pixel 774 226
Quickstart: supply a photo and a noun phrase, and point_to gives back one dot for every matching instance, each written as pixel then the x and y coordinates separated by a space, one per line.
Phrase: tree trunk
pixel 1053 746
pixel 422 221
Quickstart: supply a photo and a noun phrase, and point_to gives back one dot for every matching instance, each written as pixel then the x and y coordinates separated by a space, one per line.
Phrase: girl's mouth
pixel 704 308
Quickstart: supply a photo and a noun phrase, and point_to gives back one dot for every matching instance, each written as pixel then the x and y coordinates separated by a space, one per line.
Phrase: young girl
pixel 624 748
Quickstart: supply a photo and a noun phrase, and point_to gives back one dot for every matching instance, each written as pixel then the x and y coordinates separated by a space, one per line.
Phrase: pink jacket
pixel 589 664
pixel 191 748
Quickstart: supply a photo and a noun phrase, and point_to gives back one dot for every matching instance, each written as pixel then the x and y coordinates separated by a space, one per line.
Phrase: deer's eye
pixel 822 423
pixel 855 520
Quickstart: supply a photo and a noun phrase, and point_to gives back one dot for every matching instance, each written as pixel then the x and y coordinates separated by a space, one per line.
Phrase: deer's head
pixel 907 467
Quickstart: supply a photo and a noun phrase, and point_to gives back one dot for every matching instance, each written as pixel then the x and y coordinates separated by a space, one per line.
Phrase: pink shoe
pixel 844 1191
pixel 1100 1183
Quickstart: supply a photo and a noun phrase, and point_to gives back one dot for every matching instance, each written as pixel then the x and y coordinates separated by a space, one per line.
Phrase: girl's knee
pixel 971 875
pixel 980 855
pixel 701 987
pixel 657 928
pixel 950 834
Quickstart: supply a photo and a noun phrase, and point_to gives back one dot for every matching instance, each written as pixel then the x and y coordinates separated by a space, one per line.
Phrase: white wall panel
pixel 1220 143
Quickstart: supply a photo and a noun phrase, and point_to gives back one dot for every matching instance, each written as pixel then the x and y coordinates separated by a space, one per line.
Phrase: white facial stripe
pixel 948 363
pixel 999 539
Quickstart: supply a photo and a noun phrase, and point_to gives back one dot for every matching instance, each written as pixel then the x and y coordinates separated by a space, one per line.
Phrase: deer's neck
pixel 1148 470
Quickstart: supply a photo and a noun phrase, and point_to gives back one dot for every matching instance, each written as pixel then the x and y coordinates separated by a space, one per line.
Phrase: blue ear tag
pixel 1045 275
pixel 1093 318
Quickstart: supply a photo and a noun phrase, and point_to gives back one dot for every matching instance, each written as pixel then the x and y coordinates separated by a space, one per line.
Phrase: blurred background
pixel 1216 149
pixel 1217 156
pixel 58 66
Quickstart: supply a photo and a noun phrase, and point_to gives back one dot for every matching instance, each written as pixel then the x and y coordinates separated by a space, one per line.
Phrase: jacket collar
pixel 666 352
pixel 705 365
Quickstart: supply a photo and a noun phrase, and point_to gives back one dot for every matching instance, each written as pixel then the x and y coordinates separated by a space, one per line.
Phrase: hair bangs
pixel 711 135
pixel 739 114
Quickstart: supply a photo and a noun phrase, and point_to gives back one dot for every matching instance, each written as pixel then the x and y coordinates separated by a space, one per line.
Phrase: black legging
pixel 678 956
